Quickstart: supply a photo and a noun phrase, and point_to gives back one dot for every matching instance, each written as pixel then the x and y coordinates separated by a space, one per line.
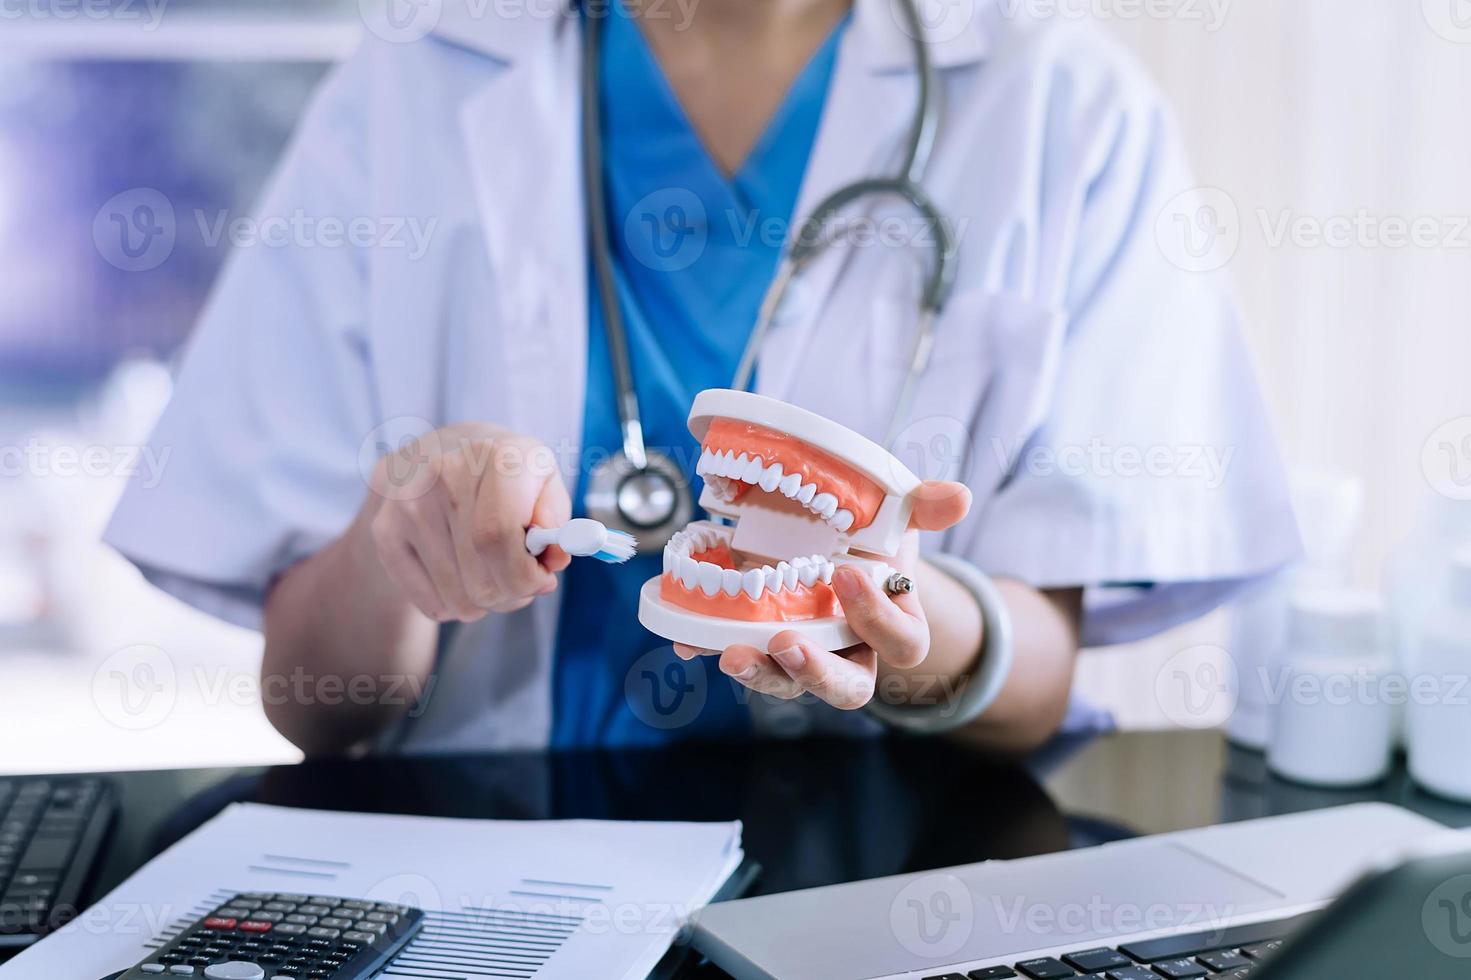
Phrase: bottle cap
pixel 1335 621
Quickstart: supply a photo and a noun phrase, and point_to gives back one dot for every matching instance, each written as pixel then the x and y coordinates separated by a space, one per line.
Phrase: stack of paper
pixel 519 899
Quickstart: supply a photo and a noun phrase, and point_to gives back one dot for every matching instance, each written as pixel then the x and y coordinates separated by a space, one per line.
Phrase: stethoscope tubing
pixel 809 243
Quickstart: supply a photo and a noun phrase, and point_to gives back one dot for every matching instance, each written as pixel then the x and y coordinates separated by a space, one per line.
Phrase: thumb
pixel 553 508
pixel 939 504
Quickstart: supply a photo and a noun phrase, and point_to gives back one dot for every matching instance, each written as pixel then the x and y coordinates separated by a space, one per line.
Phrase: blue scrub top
pixel 693 253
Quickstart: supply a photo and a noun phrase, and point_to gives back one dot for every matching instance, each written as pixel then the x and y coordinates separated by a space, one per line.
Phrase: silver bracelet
pixel 980 689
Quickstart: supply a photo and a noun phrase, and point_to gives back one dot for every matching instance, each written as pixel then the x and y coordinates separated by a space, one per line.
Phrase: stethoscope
pixel 643 491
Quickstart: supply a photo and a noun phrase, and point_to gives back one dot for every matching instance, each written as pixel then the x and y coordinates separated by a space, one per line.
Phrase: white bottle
pixel 1439 714
pixel 1416 572
pixel 1328 507
pixel 1332 717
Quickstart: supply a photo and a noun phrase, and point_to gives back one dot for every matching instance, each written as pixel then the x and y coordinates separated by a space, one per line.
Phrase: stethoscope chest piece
pixel 650 502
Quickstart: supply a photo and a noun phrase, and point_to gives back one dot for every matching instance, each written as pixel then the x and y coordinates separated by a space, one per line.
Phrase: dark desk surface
pixel 814 812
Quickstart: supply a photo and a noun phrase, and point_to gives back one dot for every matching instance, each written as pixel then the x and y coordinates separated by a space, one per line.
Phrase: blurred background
pixel 1330 138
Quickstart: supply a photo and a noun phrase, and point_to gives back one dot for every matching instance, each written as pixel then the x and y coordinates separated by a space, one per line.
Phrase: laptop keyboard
pixel 51 833
pixel 1220 954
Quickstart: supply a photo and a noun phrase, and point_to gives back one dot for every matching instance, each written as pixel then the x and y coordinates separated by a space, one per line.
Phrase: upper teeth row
pixel 712 579
pixel 753 470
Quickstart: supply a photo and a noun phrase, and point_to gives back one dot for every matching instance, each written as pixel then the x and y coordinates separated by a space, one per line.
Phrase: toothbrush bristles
pixel 618 547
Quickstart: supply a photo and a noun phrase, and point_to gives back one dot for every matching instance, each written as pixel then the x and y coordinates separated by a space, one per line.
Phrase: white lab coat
pixel 1069 330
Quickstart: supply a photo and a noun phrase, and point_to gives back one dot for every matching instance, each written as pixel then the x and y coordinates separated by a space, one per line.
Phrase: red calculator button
pixel 219 923
pixel 255 927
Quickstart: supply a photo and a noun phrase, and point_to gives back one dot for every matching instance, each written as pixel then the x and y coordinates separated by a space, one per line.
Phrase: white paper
pixel 518 899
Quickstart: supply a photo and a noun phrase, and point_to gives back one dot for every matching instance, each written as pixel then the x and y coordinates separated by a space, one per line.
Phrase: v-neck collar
pixel 629 59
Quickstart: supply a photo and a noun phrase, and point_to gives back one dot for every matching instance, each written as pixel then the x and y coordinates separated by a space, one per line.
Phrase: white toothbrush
pixel 583 537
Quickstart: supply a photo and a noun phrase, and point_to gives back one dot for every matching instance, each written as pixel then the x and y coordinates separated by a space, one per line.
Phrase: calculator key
pixel 254 926
pixel 281 906
pixel 234 970
pixel 232 912
pixel 215 922
pixel 293 928
pixel 294 899
pixel 310 909
pixel 376 928
pixel 182 970
pixel 368 937
pixel 322 932
pixel 305 920
pixel 388 917
pixel 335 923
pixel 321 900
pixel 152 968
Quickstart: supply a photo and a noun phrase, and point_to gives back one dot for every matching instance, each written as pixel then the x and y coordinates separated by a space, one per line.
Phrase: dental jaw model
pixel 803 495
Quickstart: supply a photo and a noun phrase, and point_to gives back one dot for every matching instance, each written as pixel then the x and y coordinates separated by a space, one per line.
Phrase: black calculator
pixel 270 936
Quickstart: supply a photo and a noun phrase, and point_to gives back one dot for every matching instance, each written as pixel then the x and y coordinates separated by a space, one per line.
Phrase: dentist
pixel 359 436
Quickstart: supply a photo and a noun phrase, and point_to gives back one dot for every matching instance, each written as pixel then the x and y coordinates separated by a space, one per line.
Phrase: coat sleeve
pixel 272 404
pixel 1151 475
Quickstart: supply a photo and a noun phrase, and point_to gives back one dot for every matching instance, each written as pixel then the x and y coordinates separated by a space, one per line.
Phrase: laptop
pixel 1251 899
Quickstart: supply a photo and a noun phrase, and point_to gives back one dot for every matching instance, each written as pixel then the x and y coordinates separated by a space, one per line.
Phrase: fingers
pixel 843 680
pixel 792 665
pixel 553 508
pixel 433 543
pixel 894 626
pixel 753 668
pixel 506 498
pixel 939 504
pixel 405 569
pixel 414 547
pixel 456 545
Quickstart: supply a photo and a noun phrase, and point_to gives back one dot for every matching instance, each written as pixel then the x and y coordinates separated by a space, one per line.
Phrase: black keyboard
pixel 1220 954
pixel 51 833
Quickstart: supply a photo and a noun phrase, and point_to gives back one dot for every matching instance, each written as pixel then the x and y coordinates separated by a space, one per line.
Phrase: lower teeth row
pixel 713 579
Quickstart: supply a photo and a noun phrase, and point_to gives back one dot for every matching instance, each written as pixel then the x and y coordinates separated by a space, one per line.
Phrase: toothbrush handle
pixel 539 538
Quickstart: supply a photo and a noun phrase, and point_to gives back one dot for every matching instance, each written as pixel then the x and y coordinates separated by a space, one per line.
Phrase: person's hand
pixel 448 514
pixel 893 629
